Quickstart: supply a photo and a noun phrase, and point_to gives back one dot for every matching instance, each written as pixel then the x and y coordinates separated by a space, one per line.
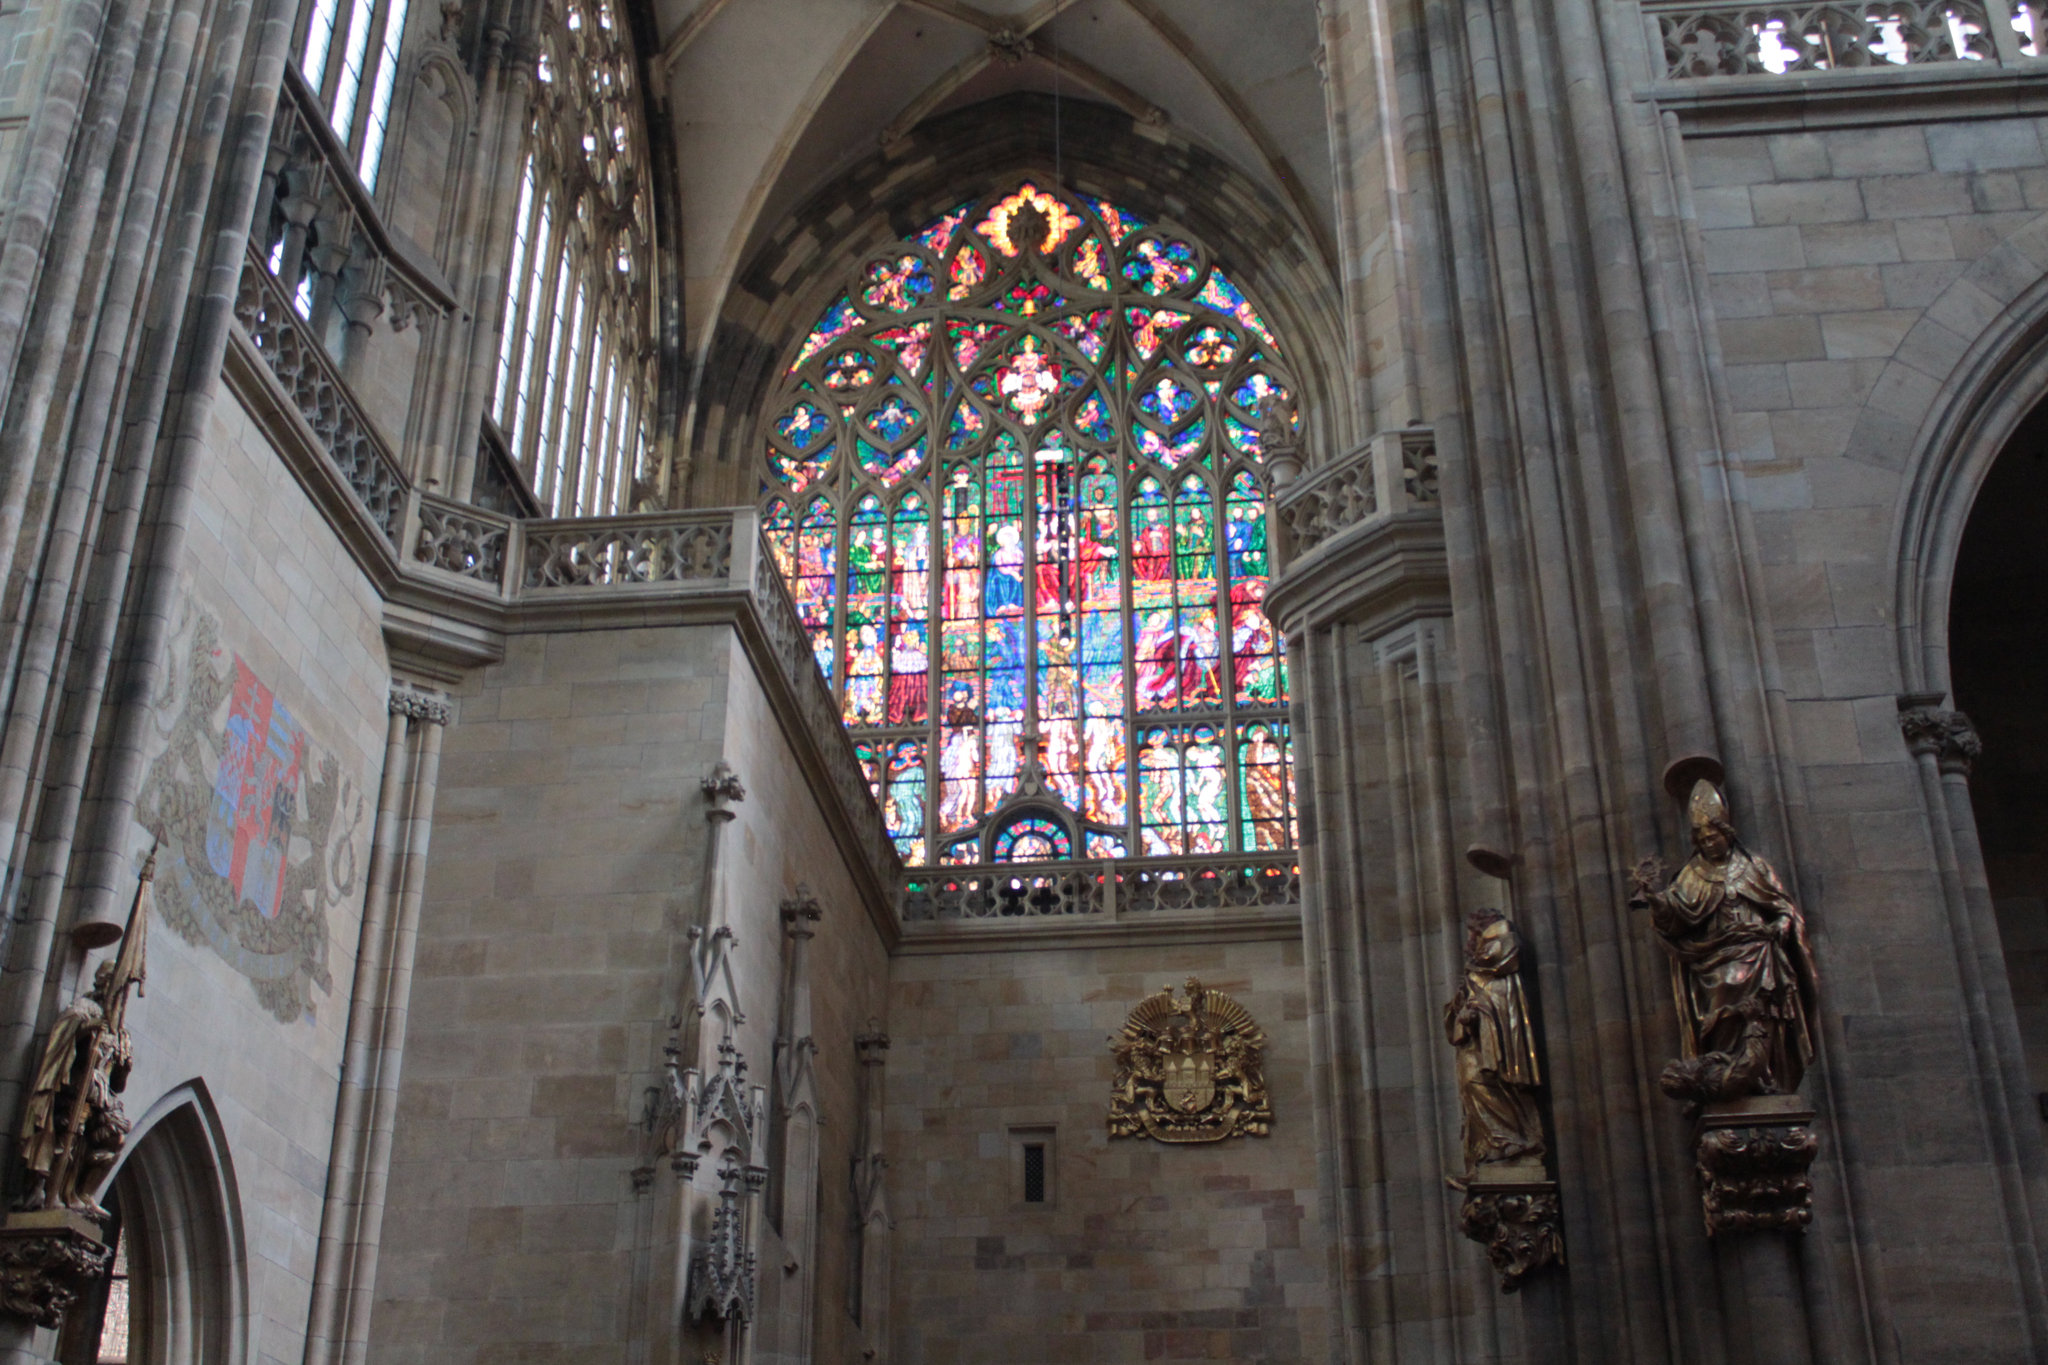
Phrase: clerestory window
pixel 1013 482
pixel 576 354
pixel 349 56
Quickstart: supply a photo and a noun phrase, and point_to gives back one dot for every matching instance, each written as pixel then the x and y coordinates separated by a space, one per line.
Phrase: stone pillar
pixel 1944 745
pixel 1379 748
pixel 867 1282
pixel 366 1107
pixel 794 1160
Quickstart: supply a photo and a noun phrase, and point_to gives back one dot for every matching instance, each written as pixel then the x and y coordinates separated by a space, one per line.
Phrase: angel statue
pixel 1741 968
pixel 73 1129
pixel 1487 1021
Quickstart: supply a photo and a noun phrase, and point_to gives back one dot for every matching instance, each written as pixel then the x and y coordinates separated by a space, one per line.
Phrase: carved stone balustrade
pixel 1701 41
pixel 647 548
pixel 1109 889
pixel 318 232
pixel 1362 536
pixel 1393 472
pixel 302 368
pixel 460 539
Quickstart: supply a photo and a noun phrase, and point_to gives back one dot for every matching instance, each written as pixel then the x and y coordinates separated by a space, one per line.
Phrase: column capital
pixel 1930 728
pixel 801 913
pixel 419 703
pixel 722 791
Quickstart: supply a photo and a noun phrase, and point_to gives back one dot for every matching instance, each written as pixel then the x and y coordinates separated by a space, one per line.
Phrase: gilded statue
pixel 1741 968
pixel 74 1127
pixel 1487 1021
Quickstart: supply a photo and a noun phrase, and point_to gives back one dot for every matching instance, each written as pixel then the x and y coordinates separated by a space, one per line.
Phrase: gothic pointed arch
pixel 181 1228
pixel 1013 478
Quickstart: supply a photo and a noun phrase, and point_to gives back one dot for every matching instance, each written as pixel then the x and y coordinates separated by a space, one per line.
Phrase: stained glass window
pixel 1012 477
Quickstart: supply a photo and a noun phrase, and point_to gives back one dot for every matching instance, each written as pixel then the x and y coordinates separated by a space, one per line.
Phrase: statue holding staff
pixel 1741 969
pixel 73 1129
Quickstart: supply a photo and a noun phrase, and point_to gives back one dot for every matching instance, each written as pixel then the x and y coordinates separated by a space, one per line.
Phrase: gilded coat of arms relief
pixel 1189 1070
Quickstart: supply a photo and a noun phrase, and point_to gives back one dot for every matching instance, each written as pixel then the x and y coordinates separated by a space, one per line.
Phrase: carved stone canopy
pixel 1189 1070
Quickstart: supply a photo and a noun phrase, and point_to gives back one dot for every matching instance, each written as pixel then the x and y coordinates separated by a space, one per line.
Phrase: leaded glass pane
pixel 1033 431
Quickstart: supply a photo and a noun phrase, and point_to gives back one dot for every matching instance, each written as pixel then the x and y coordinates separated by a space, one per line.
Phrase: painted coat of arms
pixel 258 826
pixel 1189 1070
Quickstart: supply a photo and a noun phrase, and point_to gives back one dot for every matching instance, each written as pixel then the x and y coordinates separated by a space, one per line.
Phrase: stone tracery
pixel 575 370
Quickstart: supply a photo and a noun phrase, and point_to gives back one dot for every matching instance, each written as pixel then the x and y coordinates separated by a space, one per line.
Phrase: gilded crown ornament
pixel 1189 1070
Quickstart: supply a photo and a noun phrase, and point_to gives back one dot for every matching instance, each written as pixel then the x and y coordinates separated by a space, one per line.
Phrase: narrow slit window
pixel 1034 1173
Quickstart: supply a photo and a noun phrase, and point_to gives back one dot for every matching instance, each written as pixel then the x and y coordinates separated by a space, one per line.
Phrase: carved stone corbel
pixel 1754 1156
pixel 1519 1225
pixel 48 1258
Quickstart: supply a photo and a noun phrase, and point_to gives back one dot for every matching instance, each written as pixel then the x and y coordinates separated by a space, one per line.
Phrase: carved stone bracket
pixel 1519 1224
pixel 47 1259
pixel 1932 729
pixel 1754 1156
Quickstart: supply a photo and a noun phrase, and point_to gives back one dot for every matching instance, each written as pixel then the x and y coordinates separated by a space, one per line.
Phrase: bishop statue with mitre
pixel 1741 968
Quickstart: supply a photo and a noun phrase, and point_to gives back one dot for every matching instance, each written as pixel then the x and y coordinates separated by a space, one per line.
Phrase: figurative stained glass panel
pixel 1013 479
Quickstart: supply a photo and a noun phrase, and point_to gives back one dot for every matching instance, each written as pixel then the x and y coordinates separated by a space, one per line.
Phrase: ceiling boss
pixel 1189 1070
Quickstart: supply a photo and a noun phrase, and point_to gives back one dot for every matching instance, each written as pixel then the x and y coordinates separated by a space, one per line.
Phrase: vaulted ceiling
pixel 771 100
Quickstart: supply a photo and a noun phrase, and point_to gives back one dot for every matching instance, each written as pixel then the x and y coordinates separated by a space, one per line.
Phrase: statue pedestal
pixel 48 1257
pixel 1753 1156
pixel 1511 1210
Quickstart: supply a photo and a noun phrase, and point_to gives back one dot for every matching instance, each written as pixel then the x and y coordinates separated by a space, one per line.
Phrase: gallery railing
pixel 1393 472
pixel 1110 889
pixel 1778 40
pixel 303 369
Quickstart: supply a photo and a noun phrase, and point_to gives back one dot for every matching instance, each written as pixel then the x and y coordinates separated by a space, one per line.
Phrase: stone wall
pixel 1145 1251
pixel 569 843
pixel 1860 277
pixel 258 1023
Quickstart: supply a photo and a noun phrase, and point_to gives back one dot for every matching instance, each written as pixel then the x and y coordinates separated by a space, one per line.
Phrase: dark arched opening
pixel 1998 658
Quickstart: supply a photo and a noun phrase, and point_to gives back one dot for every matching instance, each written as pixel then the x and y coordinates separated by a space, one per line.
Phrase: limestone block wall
pixel 779 843
pixel 1146 1251
pixel 568 845
pixel 1860 278
pixel 248 994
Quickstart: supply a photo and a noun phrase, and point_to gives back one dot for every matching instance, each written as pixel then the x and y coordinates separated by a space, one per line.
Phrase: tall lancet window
pixel 576 354
pixel 348 54
pixel 1012 479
